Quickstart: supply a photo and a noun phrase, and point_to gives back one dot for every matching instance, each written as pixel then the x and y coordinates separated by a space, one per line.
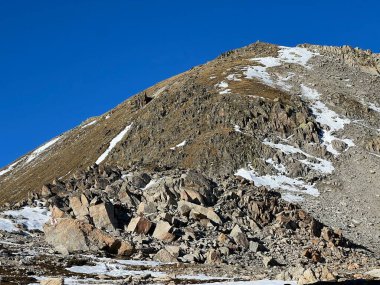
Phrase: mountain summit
pixel 303 121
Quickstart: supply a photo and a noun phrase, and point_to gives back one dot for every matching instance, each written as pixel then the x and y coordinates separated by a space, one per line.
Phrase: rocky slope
pixel 302 121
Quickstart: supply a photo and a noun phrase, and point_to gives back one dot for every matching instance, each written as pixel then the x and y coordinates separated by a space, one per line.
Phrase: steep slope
pixel 297 120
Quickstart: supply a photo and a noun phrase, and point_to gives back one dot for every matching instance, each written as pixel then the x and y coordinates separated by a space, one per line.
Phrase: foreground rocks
pixel 229 222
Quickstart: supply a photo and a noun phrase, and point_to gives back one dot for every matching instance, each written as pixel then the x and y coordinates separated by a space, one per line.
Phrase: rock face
pixel 103 216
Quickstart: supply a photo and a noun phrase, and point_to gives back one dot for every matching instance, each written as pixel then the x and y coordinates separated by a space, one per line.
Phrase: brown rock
pixel 57 213
pixel 139 225
pixel 45 191
pixel 103 216
pixel 185 208
pixel 69 235
pixel 239 237
pixel 213 256
pixel 163 231
pixel 79 209
pixel 164 255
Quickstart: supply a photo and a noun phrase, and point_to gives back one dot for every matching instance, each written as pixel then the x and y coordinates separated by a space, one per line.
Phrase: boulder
pixel 139 225
pixel 163 231
pixel 185 208
pixel 164 255
pixel 147 208
pixel 79 209
pixel 198 188
pixel 239 237
pixel 69 236
pixel 103 216
pixel 213 256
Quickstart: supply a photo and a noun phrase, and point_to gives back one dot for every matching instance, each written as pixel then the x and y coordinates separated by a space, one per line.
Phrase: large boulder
pixel 103 216
pixel 198 188
pixel 163 231
pixel 139 225
pixel 69 236
pixel 185 208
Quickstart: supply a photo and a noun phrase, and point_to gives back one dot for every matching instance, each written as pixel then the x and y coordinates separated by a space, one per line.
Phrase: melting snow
pixel 7 226
pixel 33 218
pixel 279 167
pixel 295 55
pixel 278 182
pixel 233 77
pixel 9 168
pixel 182 144
pixel 223 87
pixel 41 149
pixel 151 183
pixel 372 106
pixel 323 165
pixel 113 143
pixel 89 124
pixel 325 116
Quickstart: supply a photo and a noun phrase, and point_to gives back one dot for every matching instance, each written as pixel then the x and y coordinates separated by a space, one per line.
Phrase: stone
pixel 375 273
pixel 52 281
pixel 70 236
pixel 147 208
pixel 79 209
pixel 239 237
pixel 45 191
pixel 185 208
pixel 139 225
pixel 164 255
pixel 213 256
pixel 307 277
pixel 103 216
pixel 269 261
pixel 254 246
pixel 57 213
pixel 163 231
pixel 198 188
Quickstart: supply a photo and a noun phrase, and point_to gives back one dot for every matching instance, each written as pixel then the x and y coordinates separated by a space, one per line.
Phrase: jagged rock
pixel 69 235
pixel 239 237
pixel 308 277
pixel 164 255
pixel 79 209
pixel 57 213
pixel 139 225
pixel 185 208
pixel 163 231
pixel 269 261
pixel 147 208
pixel 103 216
pixel 213 256
pixel 45 191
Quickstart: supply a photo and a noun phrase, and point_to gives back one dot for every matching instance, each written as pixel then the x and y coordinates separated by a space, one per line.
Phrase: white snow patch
pixel 41 149
pixel 373 107
pixel 33 218
pixel 9 168
pixel 278 182
pixel 325 116
pixel 237 129
pixel 182 144
pixel 292 198
pixel 279 167
pixel 223 87
pixel 108 116
pixel 7 226
pixel 113 143
pixel 294 55
pixel 112 269
pixel 322 165
pixel 89 124
pixel 233 77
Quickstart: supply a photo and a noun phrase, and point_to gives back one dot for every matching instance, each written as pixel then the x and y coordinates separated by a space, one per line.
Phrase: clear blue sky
pixel 64 61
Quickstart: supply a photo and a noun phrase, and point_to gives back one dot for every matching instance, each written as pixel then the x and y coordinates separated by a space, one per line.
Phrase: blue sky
pixel 64 61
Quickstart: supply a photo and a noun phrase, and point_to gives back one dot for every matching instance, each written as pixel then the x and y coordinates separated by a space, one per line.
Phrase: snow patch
pixel 89 124
pixel 7 226
pixel 9 168
pixel 323 165
pixel 223 87
pixel 233 77
pixel 279 181
pixel 256 282
pixel 182 144
pixel 325 116
pixel 41 149
pixel 32 218
pixel 373 107
pixel 113 143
